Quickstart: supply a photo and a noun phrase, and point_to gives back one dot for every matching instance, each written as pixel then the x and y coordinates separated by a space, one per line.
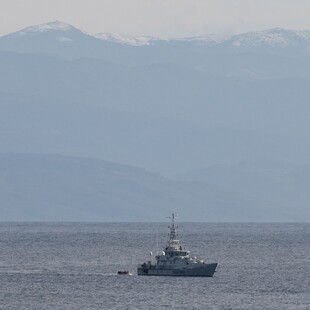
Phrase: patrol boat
pixel 175 260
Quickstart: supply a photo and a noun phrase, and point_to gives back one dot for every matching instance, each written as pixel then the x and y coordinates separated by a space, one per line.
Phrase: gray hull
pixel 206 270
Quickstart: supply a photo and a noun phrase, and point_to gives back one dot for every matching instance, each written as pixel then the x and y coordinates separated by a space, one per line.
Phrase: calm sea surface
pixel 74 266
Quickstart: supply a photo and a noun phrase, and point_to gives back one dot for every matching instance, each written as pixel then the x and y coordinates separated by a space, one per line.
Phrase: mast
pixel 157 251
pixel 173 236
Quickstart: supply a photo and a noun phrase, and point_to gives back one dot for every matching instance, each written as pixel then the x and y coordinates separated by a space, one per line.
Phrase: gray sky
pixel 162 18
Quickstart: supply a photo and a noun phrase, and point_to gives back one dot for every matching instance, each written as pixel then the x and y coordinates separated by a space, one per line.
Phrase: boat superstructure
pixel 175 260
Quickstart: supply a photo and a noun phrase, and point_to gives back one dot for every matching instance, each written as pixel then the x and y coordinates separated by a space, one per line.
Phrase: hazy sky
pixel 163 18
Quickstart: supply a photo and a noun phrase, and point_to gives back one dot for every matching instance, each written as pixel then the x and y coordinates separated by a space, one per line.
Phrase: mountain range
pixel 36 187
pixel 255 54
pixel 200 110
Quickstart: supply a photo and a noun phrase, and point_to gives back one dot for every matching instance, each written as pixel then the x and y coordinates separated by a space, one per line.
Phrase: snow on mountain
pixel 276 37
pixel 146 40
pixel 61 31
pixel 125 39
pixel 51 26
pixel 49 38
pixel 203 39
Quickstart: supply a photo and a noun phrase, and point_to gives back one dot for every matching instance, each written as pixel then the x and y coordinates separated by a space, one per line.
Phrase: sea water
pixel 74 266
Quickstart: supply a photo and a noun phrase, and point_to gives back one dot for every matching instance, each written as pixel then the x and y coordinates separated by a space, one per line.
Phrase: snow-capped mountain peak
pixel 147 40
pixel 276 37
pixel 51 26
pixel 125 39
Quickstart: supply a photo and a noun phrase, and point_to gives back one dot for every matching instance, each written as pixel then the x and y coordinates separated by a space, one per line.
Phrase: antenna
pixel 157 242
pixel 173 217
pixel 173 234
